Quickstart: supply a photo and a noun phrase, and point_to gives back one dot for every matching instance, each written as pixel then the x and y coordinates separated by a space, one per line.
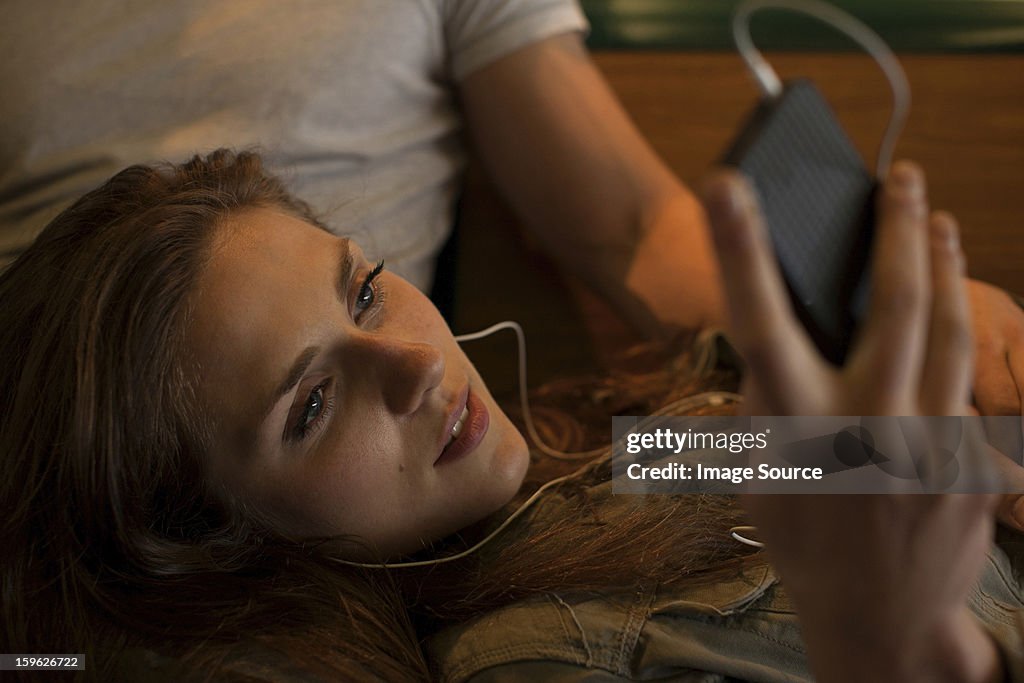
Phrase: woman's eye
pixel 365 298
pixel 314 404
pixel 311 414
pixel 367 292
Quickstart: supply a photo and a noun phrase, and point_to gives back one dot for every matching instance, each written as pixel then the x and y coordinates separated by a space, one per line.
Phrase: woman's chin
pixel 510 465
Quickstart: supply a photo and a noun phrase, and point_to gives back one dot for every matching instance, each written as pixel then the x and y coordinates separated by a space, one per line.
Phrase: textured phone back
pixel 816 197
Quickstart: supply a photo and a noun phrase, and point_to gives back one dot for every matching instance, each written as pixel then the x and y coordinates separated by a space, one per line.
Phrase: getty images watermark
pixel 725 454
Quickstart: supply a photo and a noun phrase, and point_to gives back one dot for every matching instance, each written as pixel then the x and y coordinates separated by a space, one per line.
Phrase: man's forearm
pixel 565 155
pixel 661 276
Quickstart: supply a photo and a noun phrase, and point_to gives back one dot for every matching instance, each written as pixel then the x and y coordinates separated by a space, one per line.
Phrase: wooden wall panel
pixel 966 128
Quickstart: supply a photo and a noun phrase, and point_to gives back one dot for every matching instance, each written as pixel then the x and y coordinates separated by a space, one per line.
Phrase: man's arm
pixel 573 166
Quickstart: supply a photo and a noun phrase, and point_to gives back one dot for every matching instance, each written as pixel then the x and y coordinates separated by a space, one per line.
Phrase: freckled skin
pixel 378 394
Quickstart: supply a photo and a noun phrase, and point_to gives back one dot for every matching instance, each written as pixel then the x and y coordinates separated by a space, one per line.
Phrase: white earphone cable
pixel 715 398
pixel 770 85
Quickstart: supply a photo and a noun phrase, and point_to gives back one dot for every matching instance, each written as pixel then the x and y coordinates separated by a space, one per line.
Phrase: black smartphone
pixel 817 197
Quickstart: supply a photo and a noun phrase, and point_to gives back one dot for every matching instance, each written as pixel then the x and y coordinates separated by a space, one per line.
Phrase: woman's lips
pixel 474 426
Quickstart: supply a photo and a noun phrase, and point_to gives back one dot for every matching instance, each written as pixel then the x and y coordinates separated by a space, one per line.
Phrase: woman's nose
pixel 405 371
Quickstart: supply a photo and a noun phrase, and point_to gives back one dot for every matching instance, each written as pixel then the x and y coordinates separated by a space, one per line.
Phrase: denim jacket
pixel 744 629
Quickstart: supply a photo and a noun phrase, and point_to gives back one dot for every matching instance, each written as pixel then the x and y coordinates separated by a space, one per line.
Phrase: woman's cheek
pixel 362 483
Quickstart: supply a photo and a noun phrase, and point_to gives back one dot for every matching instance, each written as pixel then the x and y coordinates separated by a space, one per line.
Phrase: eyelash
pixel 368 288
pixel 304 426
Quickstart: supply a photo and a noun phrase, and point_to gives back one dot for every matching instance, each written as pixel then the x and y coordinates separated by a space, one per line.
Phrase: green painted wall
pixel 907 25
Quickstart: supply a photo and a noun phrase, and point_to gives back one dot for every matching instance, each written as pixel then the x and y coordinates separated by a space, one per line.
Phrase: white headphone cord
pixel 479 544
pixel 713 398
pixel 770 85
pixel 687 403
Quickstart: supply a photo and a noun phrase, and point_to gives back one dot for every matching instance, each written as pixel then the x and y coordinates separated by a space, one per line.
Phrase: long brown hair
pixel 114 539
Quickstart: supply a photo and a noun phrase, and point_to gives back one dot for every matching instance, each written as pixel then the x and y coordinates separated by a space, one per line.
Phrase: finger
pixel 1015 344
pixel 891 344
pixel 761 321
pixel 996 339
pixel 998 380
pixel 946 380
pixel 1010 512
pixel 995 383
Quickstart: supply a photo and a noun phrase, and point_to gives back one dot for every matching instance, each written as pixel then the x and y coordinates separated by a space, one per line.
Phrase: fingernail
pixel 729 203
pixel 907 180
pixel 728 197
pixel 944 231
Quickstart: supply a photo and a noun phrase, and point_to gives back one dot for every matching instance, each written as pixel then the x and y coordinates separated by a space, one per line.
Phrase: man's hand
pixel 998 324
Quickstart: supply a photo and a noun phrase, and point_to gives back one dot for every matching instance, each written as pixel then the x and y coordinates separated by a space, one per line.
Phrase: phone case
pixel 817 198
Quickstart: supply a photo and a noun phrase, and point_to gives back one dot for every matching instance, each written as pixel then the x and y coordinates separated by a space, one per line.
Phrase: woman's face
pixel 335 391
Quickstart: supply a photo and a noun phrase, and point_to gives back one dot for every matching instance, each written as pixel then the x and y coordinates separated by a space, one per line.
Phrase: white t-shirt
pixel 351 101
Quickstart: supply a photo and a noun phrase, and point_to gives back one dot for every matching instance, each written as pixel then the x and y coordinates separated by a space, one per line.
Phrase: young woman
pixel 217 417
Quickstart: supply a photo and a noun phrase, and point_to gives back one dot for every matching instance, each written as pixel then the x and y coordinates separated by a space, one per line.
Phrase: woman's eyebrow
pixel 344 270
pixel 302 362
pixel 295 373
